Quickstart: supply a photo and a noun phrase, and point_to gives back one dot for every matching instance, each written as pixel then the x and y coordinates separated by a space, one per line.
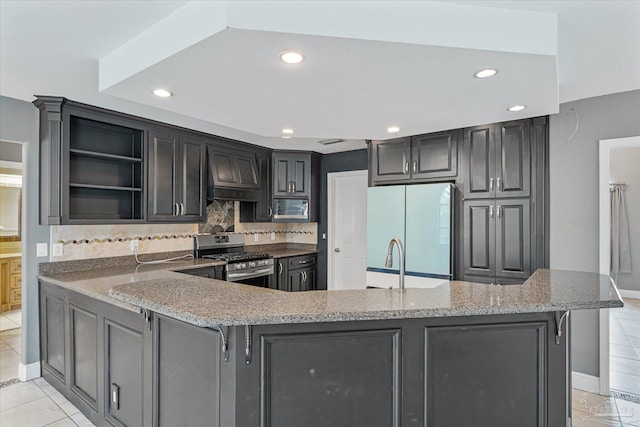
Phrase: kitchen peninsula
pixel 157 347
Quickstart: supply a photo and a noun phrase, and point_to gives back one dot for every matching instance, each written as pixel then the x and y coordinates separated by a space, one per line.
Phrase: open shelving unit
pixel 106 171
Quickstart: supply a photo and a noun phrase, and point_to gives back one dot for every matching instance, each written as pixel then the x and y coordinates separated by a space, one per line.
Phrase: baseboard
pixel 625 293
pixel 585 382
pixel 28 372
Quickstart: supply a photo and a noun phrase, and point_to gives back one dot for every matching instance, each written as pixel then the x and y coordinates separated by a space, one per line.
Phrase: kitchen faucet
pixel 389 260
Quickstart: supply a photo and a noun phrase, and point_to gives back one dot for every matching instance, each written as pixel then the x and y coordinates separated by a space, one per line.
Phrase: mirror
pixel 10 207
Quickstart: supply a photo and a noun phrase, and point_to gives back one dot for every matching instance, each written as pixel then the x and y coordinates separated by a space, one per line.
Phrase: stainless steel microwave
pixel 291 209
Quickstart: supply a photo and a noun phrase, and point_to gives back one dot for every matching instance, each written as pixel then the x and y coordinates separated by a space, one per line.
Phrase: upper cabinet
pixel 497 160
pixel 291 174
pixel 91 165
pixel 421 158
pixel 176 177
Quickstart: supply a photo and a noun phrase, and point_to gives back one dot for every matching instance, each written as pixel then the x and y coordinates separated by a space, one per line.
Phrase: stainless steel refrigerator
pixel 421 216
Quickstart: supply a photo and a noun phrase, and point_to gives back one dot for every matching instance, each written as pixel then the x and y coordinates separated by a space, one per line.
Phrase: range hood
pixel 232 175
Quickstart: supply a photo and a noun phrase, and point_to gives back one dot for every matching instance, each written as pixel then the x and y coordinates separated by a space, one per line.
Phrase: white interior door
pixel 347 240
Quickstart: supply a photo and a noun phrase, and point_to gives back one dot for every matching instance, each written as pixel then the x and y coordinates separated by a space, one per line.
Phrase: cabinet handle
pixel 294 186
pixel 498 184
pixel 181 209
pixel 406 167
pixel 490 184
pixel 304 276
pixel 177 210
pixel 269 211
pixel 415 166
pixel 498 212
pixel 491 211
pixel 337 249
pixel 280 267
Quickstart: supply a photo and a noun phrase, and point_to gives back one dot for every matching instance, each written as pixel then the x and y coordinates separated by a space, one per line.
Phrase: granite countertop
pixel 287 252
pixel 208 302
pixel 97 283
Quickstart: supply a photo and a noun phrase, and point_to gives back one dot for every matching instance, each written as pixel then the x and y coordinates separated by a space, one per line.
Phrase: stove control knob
pixel 252 264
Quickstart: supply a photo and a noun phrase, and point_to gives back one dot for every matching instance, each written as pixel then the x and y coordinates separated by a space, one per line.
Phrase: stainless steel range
pixel 251 268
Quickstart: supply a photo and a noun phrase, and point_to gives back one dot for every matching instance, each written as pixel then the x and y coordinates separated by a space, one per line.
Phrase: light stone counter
pixel 210 303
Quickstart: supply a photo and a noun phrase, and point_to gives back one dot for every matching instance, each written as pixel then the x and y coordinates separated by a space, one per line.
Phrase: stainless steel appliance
pixel 251 268
pixel 293 209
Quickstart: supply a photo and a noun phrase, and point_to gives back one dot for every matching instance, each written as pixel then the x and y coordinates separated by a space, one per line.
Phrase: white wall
pixel 624 166
pixel 574 224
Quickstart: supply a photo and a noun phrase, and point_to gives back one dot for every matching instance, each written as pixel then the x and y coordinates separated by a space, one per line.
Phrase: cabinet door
pixel 390 160
pixel 282 274
pixel 296 278
pixel 264 212
pixel 83 328
pixel 124 372
pixel 513 238
pixel 281 174
pixel 187 374
pixel 191 186
pixel 301 174
pixel 308 279
pixel 53 335
pixel 513 149
pixel 163 151
pixel 434 155
pixel 479 162
pixel 479 237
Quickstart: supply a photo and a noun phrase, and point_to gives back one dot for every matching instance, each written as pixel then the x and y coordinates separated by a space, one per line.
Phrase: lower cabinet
pixel 295 274
pixel 98 356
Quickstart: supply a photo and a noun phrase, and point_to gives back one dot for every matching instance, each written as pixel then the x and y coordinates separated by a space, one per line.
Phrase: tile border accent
pixel 125 239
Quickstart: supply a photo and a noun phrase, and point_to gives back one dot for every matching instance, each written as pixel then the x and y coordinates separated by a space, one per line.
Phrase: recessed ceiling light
pixel 393 129
pixel 163 93
pixel 285 137
pixel 487 72
pixel 287 131
pixel 291 57
pixel 516 108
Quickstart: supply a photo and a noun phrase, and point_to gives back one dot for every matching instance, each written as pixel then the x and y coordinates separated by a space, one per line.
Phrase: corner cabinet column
pixel 50 159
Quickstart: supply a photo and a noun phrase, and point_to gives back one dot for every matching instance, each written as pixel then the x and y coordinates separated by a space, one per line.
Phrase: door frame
pixel 331 182
pixel 605 147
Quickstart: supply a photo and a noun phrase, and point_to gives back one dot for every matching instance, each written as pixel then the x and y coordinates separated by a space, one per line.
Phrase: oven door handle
pixel 231 277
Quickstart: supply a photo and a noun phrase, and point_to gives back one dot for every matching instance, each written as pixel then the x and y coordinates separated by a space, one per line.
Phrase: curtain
pixel 620 247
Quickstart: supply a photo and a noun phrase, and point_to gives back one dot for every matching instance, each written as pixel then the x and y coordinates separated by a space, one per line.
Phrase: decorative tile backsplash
pixel 98 241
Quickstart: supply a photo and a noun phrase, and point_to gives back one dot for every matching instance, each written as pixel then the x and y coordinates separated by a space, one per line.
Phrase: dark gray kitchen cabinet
pixel 420 158
pixel 390 160
pixel 98 356
pixel 92 164
pixel 497 238
pixel 186 374
pixel 177 177
pixel 291 174
pixel 233 168
pixel 294 274
pixel 497 160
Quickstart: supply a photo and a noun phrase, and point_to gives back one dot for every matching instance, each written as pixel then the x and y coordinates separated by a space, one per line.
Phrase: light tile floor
pixel 10 319
pixel 625 347
pixel 34 403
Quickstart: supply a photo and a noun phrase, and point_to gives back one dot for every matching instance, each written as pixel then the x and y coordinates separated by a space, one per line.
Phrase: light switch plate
pixel 41 250
pixel 56 249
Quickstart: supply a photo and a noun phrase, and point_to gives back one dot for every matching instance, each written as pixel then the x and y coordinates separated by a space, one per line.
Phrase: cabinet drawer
pixel 302 261
pixel 15 281
pixel 15 296
pixel 15 266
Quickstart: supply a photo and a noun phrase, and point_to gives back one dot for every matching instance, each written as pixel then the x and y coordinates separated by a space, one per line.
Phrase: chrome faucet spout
pixel 389 260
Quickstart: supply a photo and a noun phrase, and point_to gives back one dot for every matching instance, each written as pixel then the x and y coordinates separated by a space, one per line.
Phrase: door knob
pixel 336 250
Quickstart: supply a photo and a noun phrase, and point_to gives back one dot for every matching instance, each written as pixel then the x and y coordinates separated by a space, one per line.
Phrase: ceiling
pixel 368 65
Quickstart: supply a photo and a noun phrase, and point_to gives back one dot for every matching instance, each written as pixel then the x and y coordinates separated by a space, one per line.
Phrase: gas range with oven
pixel 251 268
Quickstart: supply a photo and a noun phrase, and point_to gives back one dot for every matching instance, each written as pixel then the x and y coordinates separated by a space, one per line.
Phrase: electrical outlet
pixel 57 249
pixel 134 245
pixel 273 236
pixel 324 236
pixel 41 250
pixel 256 237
